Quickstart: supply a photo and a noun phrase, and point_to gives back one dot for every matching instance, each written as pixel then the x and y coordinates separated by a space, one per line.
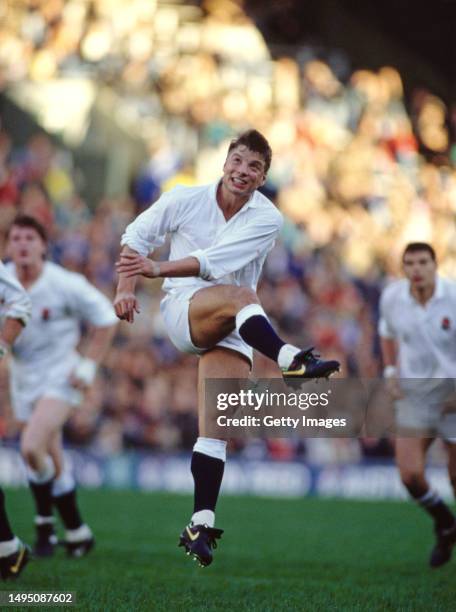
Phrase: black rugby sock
pixel 6 533
pixel 260 335
pixel 432 503
pixel 207 475
pixel 42 494
pixel 67 507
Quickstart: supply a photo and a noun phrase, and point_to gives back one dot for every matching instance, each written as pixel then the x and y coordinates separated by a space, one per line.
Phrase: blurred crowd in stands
pixel 358 172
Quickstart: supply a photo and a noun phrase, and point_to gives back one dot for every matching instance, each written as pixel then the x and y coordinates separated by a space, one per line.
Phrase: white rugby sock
pixel 204 517
pixel 64 483
pixel 286 355
pixel 9 547
pixel 249 311
pixel 46 473
pixel 77 535
pixel 211 447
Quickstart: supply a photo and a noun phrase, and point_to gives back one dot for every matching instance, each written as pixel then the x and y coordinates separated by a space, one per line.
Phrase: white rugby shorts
pixel 431 411
pixel 174 308
pixel 53 382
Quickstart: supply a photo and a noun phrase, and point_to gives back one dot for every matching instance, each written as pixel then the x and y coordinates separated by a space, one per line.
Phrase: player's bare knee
pixel 241 297
pixel 414 481
pixel 31 452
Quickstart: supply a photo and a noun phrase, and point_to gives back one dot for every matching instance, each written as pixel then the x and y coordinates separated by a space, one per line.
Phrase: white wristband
pixel 4 349
pixel 86 370
pixel 390 371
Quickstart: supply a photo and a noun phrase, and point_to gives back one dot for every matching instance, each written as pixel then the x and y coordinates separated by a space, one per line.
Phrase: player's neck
pixel 423 294
pixel 28 274
pixel 229 203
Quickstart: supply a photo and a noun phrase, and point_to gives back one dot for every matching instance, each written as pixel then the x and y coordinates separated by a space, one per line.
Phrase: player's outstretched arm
pixel 389 356
pixel 125 302
pixel 10 331
pixel 131 265
pixel 18 309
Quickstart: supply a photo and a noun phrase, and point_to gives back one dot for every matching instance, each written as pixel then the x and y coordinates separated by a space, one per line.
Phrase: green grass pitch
pixel 308 554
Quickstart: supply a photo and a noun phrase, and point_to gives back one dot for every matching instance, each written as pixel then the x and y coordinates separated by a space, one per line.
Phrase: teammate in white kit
pixel 418 339
pixel 220 237
pixel 15 310
pixel 49 377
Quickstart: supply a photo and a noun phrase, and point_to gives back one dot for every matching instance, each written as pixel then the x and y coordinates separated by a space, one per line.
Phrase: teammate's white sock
pixel 76 535
pixel 44 520
pixel 286 355
pixel 204 517
pixel 64 483
pixel 9 547
pixel 46 473
pixel 430 498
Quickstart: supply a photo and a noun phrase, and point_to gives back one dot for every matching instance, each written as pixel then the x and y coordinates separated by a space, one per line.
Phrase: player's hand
pixel 393 388
pixel 132 264
pixel 125 305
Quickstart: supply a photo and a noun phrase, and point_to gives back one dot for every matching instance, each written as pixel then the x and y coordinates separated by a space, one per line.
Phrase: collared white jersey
pixel 230 252
pixel 425 335
pixel 61 300
pixel 14 301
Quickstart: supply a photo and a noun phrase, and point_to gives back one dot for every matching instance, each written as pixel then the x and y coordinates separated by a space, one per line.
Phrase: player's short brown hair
pixel 253 140
pixel 28 221
pixel 415 247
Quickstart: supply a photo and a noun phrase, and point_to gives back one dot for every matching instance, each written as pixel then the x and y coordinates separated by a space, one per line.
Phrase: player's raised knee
pixel 243 296
pixel 31 452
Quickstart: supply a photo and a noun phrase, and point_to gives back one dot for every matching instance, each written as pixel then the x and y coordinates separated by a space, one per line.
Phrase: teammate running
pixel 49 377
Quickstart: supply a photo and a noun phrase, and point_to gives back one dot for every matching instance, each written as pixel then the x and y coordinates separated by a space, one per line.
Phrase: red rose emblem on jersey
pixel 45 314
pixel 446 323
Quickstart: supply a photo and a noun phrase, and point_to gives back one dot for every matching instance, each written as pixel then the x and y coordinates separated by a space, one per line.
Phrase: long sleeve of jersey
pixel 148 231
pixel 15 303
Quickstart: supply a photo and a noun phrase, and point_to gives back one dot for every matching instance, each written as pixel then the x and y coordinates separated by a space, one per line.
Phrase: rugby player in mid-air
pixel 15 310
pixel 220 237
pixel 48 377
pixel 418 340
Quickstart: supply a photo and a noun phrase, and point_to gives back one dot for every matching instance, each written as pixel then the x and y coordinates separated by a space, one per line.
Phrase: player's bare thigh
pixel 411 458
pixel 217 363
pixel 55 450
pixel 212 312
pixel 47 420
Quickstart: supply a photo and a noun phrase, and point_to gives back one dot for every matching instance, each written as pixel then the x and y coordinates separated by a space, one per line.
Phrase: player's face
pixel 243 171
pixel 25 246
pixel 420 269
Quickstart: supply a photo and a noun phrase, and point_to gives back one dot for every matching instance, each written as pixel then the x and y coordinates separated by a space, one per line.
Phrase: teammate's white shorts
pixel 431 411
pixel 53 382
pixel 174 308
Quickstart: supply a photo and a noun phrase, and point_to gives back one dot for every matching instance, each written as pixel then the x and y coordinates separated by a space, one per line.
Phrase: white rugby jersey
pixel 14 301
pixel 230 252
pixel 61 300
pixel 425 335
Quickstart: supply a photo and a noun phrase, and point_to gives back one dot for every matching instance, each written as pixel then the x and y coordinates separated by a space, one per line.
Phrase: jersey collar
pixel 252 202
pixel 438 294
